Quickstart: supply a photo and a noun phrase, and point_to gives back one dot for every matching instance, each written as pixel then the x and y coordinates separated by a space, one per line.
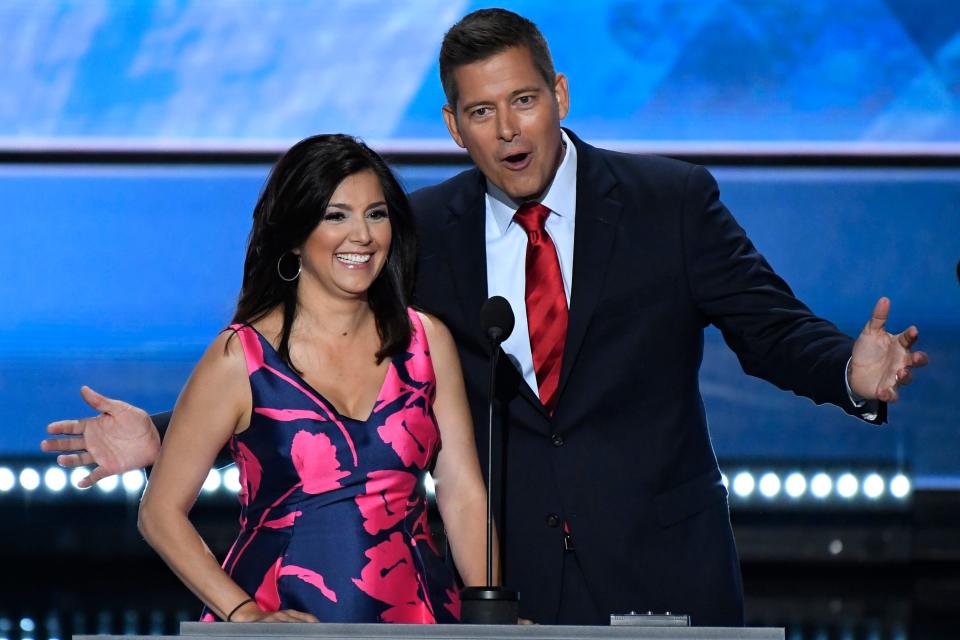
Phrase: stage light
pixel 900 486
pixel 52 624
pixel 231 479
pixel 132 481
pixel 130 622
pixel 7 479
pixel 78 621
pixel 29 478
pixel 796 485
pixel 212 483
pixel 429 485
pixel 77 475
pixel 770 484
pixel 156 619
pixel 55 479
pixel 847 485
pixel 743 484
pixel 27 625
pixel 108 484
pixel 104 619
pixel 821 485
pixel 873 486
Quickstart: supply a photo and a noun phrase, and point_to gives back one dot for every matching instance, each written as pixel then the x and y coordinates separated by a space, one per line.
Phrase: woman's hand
pixel 251 612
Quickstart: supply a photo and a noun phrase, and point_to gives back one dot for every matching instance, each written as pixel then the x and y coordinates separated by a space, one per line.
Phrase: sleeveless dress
pixel 333 513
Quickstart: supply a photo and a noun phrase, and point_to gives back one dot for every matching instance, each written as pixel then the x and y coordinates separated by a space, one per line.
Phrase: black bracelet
pixel 237 608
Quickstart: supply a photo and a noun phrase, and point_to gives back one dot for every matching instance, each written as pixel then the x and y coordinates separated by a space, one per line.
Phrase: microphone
pixel 490 604
pixel 497 319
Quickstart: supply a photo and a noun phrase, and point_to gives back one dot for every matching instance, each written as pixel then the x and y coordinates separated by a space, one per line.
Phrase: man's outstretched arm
pixel 121 438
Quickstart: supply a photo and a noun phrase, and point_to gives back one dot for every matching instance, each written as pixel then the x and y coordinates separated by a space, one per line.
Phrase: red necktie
pixel 546 302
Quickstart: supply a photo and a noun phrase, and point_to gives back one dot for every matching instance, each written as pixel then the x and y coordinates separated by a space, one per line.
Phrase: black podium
pixel 323 631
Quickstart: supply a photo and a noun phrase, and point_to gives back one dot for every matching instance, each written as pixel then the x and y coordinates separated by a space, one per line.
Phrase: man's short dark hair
pixel 485 33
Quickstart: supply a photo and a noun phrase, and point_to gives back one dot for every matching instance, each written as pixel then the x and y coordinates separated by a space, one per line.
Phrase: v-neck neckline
pixel 319 395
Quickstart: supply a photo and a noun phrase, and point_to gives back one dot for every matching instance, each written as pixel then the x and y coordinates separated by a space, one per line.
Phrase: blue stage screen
pixel 117 277
pixel 222 73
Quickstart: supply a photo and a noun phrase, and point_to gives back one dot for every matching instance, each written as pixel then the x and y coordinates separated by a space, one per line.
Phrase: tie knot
pixel 532 216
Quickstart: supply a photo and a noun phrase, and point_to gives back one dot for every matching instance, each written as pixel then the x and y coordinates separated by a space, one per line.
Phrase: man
pixel 614 264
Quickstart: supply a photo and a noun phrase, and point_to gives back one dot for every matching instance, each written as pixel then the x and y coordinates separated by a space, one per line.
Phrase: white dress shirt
pixel 507 252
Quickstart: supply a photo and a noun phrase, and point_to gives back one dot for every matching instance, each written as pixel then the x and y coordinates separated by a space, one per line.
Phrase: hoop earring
pixel 280 272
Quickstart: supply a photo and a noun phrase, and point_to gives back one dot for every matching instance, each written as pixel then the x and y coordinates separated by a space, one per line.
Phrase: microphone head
pixel 496 317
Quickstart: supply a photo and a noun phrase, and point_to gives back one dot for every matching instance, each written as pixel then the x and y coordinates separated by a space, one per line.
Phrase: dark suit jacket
pixel 626 459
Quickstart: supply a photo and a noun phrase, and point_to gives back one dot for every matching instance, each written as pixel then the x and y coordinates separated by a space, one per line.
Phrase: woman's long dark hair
pixel 292 204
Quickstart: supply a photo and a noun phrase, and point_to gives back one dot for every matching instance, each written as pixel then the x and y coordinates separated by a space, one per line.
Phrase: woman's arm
pixel 215 402
pixel 461 495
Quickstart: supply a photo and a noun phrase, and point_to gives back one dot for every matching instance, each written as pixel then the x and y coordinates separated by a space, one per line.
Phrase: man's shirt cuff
pixel 869 409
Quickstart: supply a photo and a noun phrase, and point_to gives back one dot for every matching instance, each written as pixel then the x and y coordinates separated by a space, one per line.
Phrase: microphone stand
pixel 490 604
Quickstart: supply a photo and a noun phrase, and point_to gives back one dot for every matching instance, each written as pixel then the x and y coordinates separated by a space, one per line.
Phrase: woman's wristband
pixel 237 608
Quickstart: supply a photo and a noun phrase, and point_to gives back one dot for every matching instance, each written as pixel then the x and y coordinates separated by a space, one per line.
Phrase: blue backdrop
pixel 255 71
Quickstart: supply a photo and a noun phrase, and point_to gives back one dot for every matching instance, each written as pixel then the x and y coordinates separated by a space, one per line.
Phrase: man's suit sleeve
pixel 161 421
pixel 775 336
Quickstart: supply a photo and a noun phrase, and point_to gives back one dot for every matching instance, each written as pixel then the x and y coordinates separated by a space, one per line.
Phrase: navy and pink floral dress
pixel 333 513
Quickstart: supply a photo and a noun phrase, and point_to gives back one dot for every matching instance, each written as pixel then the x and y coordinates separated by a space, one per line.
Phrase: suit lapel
pixel 598 213
pixel 467 258
pixel 467 253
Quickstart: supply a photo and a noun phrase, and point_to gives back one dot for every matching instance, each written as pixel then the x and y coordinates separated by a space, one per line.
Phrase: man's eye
pixel 525 99
pixel 479 113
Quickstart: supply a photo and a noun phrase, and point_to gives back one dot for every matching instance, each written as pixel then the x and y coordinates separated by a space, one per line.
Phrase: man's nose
pixel 507 127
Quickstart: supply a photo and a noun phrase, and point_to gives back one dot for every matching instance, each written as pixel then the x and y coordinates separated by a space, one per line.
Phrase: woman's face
pixel 347 250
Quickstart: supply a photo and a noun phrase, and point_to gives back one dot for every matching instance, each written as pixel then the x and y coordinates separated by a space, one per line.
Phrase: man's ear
pixel 450 119
pixel 562 93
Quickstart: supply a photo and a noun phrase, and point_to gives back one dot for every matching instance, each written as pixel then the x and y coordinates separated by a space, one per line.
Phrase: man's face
pixel 508 120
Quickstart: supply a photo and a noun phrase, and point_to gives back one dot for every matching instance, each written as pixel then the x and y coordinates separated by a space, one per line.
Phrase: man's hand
pixel 882 362
pixel 121 438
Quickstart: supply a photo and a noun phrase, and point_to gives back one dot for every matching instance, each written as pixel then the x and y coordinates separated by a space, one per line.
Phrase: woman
pixel 335 398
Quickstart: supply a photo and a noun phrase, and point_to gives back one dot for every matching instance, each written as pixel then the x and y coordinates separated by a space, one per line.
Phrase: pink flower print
pixel 289 415
pixel 283 521
pixel 385 501
pixel 311 577
pixel 421 529
pixel 268 595
pixel 252 349
pixel 413 613
pixel 453 603
pixel 412 435
pixel 419 362
pixel 394 388
pixel 315 459
pixel 391 577
pixel 250 474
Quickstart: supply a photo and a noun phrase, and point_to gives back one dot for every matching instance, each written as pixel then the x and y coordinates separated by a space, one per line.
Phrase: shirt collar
pixel 560 197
